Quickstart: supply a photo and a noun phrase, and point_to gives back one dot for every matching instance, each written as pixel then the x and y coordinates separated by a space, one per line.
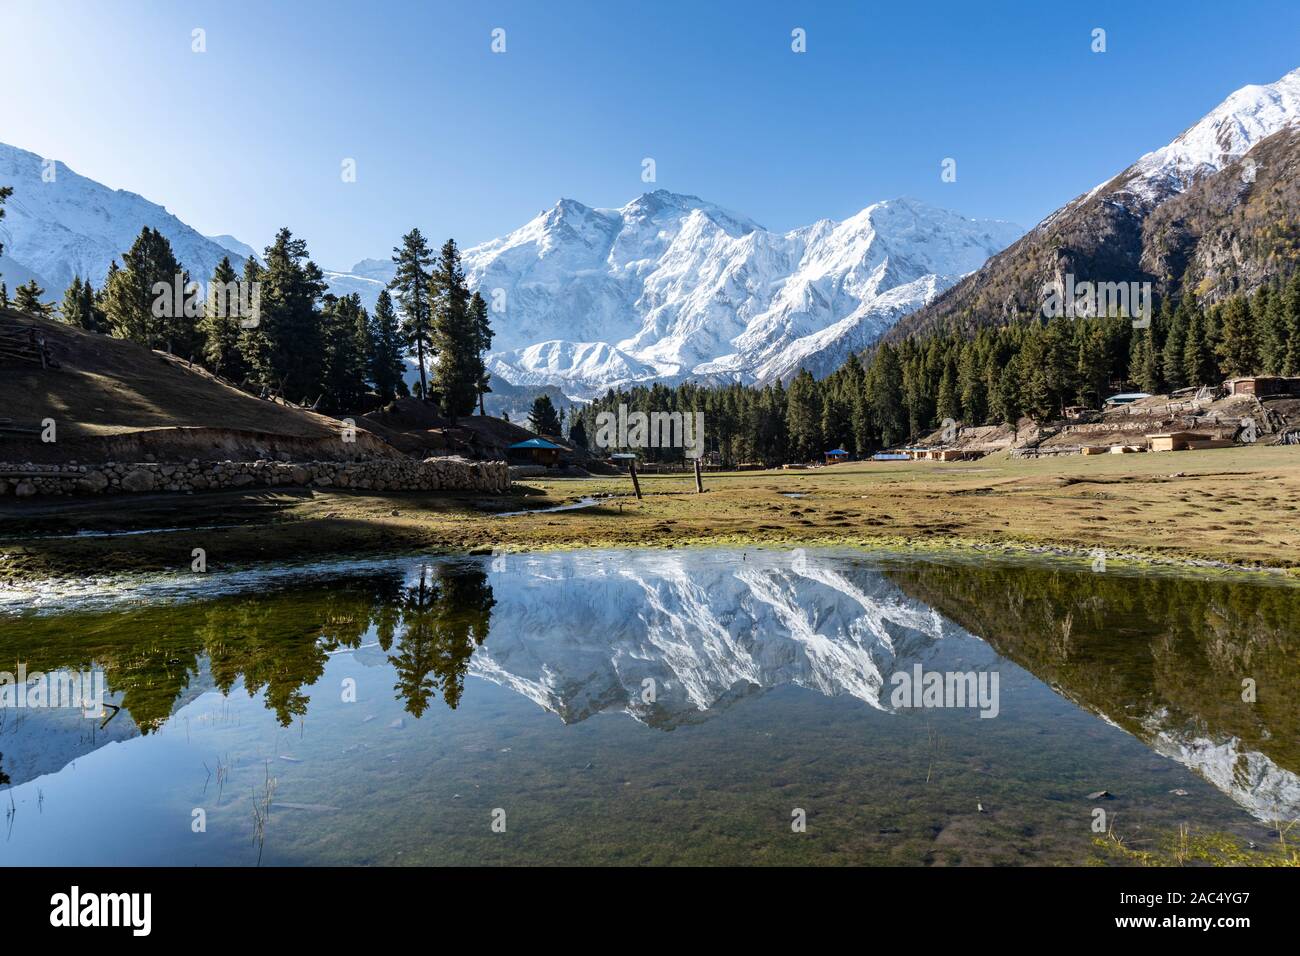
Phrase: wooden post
pixel 699 482
pixel 636 485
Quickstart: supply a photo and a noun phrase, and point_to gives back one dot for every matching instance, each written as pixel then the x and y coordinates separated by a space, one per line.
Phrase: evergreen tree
pixel 74 300
pixel 804 417
pixel 386 365
pixel 1090 369
pixel 1290 326
pixel 948 403
pixel 28 298
pixel 1198 361
pixel 290 320
pixel 1266 314
pixel 1008 403
pixel 456 336
pixel 972 389
pixel 220 325
pixel 481 324
pixel 884 384
pixel 542 418
pixel 836 425
pixel 4 296
pixel 139 298
pixel 578 433
pixel 1172 368
pixel 1146 365
pixel 254 344
pixel 1238 349
pixel 345 329
pixel 411 283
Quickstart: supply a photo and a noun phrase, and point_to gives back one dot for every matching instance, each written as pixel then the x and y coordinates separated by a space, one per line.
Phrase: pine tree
pixel 578 434
pixel 4 296
pixel 1090 368
pixel 139 298
pixel 1171 362
pixel 1266 318
pixel 884 384
pixel 455 336
pixel 411 282
pixel 948 402
pixel 542 418
pixel 220 325
pixel 74 298
pixel 345 330
pixel 386 365
pixel 1290 325
pixel 1238 349
pixel 1009 404
pixel 1198 362
pixel 804 417
pixel 971 388
pixel 481 324
pixel 290 318
pixel 253 344
pixel 28 298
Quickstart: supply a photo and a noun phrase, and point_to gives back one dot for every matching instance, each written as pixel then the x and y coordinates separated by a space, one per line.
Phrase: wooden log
pixel 699 480
pixel 636 485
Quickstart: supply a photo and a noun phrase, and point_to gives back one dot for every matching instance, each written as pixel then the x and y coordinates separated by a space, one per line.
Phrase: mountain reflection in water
pixel 676 638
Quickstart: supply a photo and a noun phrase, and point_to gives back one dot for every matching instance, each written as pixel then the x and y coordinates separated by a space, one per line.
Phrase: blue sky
pixel 447 135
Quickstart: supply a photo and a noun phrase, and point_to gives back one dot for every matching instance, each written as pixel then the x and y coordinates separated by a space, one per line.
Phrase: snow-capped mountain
pixel 1228 132
pixel 670 287
pixel 59 224
pixel 1202 209
pixel 705 632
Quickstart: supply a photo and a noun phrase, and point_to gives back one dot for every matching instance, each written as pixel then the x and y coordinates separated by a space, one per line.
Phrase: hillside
pixel 113 399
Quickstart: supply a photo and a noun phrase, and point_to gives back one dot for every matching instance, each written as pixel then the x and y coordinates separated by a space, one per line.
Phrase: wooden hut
pixel 1262 386
pixel 1174 441
pixel 534 451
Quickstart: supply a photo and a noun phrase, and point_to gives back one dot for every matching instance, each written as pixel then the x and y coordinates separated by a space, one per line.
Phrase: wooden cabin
pixel 1174 441
pixel 1263 385
pixel 534 451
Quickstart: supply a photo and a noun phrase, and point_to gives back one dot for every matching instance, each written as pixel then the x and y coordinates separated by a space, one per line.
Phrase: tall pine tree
pixel 455 337
pixel 412 285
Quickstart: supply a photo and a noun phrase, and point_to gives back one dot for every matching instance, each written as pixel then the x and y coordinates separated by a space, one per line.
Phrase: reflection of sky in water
pixel 770 680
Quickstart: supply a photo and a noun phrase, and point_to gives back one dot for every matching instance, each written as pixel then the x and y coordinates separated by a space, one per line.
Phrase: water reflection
pixel 1205 671
pixel 676 638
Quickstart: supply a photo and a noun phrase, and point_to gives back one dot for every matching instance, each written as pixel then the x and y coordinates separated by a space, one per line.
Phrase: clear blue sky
pixel 463 142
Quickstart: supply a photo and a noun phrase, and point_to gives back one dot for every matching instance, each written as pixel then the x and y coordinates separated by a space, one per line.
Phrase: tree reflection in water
pixel 277 643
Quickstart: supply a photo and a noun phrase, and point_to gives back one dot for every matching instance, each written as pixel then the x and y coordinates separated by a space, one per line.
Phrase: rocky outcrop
pixel 431 474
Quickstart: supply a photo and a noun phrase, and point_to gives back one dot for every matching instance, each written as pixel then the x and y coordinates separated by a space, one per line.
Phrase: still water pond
pixel 646 707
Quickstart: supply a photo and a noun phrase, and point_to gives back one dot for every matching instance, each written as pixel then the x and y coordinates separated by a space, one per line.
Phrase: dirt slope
pixel 113 399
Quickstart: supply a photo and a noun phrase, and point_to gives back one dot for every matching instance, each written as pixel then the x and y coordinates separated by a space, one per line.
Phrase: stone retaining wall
pixel 432 474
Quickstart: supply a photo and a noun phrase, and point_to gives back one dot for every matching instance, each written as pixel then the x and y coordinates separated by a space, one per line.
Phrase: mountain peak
pixel 1229 131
